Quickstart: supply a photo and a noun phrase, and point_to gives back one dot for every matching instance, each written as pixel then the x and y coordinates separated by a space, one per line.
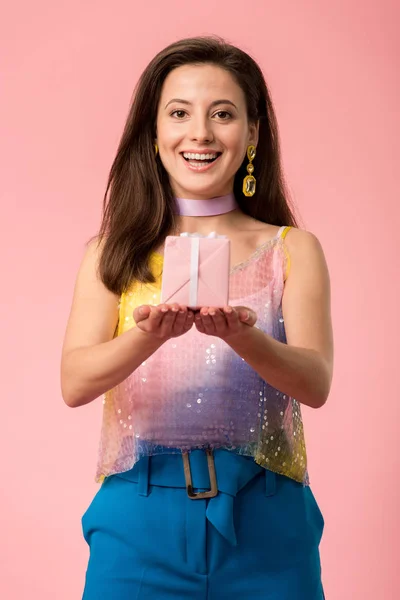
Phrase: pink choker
pixel 206 208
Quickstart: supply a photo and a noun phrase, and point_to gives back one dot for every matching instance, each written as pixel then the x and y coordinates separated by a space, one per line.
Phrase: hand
pixel 164 321
pixel 226 322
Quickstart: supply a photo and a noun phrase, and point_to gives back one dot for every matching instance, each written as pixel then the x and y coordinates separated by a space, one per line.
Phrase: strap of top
pixel 283 231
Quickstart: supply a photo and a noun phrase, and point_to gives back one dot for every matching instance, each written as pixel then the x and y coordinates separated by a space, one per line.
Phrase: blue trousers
pixel 258 538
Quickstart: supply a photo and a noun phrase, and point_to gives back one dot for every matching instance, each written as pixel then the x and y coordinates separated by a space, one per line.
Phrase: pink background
pixel 68 71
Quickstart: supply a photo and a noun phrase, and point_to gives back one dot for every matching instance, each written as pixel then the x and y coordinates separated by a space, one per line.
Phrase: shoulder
pixel 301 243
pixel 90 263
pixel 88 280
pixel 93 251
pixel 307 257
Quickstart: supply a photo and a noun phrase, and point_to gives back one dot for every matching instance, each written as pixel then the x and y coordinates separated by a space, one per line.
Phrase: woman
pixel 205 490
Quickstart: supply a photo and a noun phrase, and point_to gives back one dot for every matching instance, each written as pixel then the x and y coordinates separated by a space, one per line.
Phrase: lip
pixel 200 169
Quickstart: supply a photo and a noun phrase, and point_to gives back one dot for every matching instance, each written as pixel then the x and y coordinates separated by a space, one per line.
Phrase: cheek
pixel 237 155
pixel 235 141
pixel 168 135
pixel 236 164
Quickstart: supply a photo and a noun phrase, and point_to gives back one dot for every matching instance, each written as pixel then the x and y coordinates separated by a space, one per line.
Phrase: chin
pixel 200 193
pixel 206 191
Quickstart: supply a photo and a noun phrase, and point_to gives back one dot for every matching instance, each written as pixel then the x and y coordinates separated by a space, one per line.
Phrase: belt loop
pixel 270 483
pixel 144 465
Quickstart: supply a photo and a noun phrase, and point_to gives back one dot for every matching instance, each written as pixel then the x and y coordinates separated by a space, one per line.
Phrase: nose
pixel 201 130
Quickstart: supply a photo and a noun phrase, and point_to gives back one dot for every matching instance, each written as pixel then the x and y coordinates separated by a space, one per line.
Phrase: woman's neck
pixel 219 223
pixel 207 214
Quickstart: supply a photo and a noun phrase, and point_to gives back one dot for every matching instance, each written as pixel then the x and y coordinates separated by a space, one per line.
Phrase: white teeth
pixel 192 156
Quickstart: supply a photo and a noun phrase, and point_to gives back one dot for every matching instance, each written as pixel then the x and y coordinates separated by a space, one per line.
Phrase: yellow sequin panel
pixel 140 293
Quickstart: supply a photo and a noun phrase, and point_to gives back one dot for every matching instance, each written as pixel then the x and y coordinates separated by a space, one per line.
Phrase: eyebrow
pixel 214 103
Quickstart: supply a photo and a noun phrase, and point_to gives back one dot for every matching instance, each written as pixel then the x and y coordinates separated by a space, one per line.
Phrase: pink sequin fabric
pixel 196 392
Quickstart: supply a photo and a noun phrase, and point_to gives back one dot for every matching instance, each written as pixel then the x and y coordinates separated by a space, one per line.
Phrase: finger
pixel 207 321
pixel 183 326
pixel 180 319
pixel 231 315
pixel 247 316
pixel 199 323
pixel 164 308
pixel 169 327
pixel 244 315
pixel 141 313
pixel 170 313
pixel 189 320
pixel 219 320
pixel 155 316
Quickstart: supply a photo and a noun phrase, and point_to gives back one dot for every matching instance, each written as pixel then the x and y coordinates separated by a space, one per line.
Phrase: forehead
pixel 201 83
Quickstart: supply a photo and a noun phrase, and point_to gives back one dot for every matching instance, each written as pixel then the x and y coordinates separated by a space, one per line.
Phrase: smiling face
pixel 202 130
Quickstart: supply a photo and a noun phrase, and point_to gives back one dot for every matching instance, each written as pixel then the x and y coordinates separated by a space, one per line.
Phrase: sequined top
pixel 196 392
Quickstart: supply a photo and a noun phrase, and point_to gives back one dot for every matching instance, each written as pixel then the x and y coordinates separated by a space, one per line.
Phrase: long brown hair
pixel 139 205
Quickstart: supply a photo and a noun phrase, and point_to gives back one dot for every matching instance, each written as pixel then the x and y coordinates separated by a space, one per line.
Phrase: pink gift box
pixel 196 271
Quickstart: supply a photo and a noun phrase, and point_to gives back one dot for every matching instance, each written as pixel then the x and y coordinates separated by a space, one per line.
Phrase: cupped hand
pixel 164 321
pixel 225 322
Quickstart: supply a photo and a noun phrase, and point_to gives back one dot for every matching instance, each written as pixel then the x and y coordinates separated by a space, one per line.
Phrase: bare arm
pixel 303 367
pixel 93 361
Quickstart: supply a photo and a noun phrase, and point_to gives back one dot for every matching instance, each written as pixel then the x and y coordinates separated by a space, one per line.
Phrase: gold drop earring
pixel 155 149
pixel 249 182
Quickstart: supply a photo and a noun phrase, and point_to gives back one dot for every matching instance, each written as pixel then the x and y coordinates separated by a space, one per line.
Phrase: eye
pixel 224 115
pixel 179 113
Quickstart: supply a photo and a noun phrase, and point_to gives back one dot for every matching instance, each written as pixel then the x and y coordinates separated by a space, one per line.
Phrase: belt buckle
pixel 211 472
